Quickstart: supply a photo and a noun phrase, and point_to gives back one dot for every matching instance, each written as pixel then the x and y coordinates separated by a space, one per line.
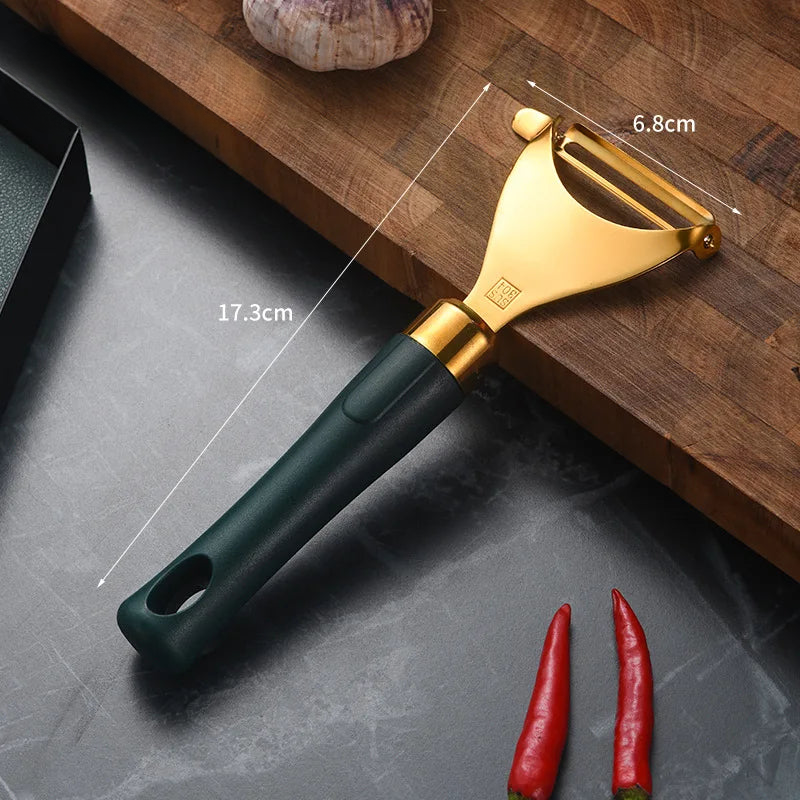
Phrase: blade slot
pixel 630 169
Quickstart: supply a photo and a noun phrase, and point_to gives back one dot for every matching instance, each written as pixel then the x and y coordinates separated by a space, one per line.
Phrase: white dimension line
pixel 633 147
pixel 294 333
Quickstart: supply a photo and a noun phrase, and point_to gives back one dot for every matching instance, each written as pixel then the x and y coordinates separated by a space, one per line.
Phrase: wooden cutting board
pixel 692 371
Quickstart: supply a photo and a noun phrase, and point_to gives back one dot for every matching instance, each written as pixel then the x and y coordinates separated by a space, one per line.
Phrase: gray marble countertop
pixel 395 655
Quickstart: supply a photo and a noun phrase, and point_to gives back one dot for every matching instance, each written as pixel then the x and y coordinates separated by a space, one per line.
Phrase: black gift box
pixel 44 190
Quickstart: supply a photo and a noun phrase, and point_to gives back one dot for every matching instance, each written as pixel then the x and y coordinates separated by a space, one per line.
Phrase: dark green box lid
pixel 44 189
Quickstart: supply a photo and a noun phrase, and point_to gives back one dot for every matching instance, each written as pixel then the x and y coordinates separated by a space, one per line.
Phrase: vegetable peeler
pixel 543 245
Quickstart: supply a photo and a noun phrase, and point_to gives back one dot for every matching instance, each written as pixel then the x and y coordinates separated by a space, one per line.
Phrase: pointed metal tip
pixel 736 211
pixel 532 83
pixel 486 88
pixel 101 582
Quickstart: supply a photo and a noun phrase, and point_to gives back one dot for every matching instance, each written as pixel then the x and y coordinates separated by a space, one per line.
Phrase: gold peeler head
pixel 545 245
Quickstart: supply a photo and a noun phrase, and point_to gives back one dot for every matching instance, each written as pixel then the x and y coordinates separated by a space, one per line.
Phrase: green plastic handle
pixel 390 406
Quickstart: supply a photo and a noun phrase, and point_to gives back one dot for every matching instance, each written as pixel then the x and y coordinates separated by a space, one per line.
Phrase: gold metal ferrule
pixel 456 335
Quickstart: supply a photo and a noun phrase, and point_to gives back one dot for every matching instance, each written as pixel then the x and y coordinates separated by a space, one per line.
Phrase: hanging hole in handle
pixel 181 587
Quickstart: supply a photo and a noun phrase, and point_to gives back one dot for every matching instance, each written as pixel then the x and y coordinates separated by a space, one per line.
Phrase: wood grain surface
pixel 692 371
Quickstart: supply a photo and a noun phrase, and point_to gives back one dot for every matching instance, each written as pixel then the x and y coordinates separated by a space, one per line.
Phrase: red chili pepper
pixel 633 734
pixel 544 732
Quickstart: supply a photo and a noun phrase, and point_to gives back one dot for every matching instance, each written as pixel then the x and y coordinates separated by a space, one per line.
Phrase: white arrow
pixel 633 147
pixel 294 333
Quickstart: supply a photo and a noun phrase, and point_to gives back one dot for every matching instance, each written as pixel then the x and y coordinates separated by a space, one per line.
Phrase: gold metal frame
pixel 545 245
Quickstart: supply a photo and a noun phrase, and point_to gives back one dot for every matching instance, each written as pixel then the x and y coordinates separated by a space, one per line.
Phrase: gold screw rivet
pixel 708 242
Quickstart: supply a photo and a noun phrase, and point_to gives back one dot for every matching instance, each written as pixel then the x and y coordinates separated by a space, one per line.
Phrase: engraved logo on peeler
pixel 503 293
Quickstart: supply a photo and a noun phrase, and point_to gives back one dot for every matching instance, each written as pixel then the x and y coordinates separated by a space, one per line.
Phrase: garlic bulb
pixel 339 34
